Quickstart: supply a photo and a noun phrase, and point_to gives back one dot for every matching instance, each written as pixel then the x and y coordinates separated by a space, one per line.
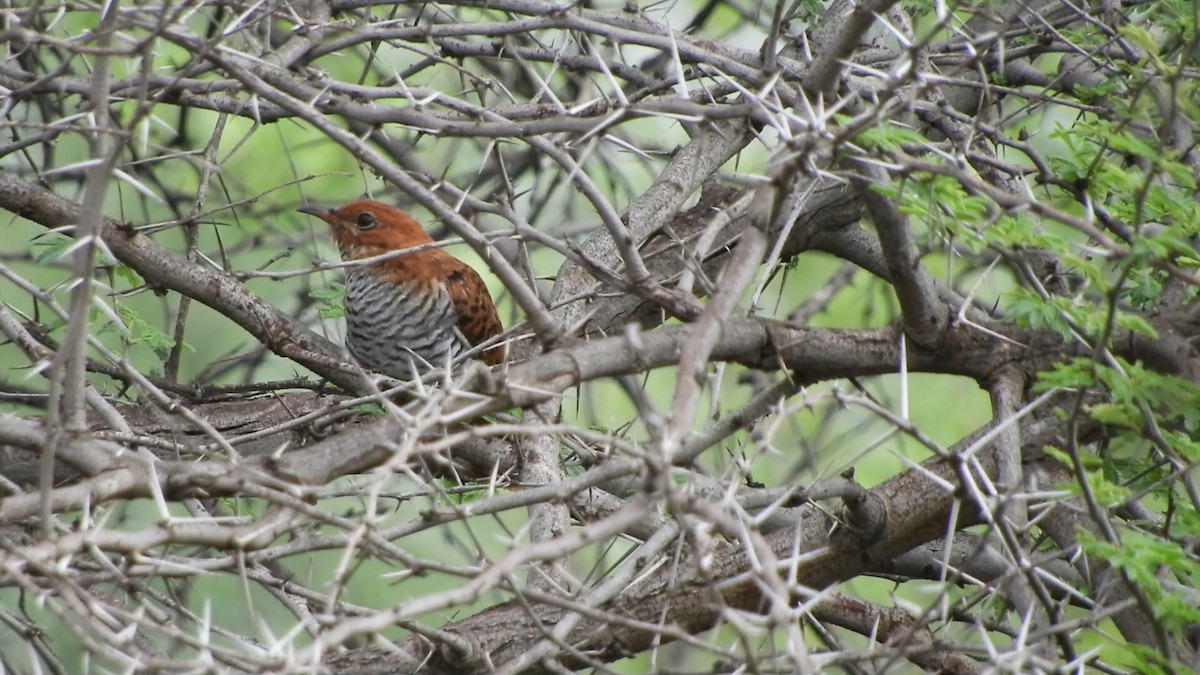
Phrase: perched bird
pixel 412 311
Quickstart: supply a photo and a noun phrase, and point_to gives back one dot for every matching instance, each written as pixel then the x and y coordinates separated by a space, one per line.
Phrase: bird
pixel 411 312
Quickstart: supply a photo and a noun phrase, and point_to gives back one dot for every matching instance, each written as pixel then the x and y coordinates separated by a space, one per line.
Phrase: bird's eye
pixel 366 220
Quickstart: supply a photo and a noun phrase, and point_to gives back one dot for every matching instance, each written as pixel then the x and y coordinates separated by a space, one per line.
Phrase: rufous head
pixel 366 228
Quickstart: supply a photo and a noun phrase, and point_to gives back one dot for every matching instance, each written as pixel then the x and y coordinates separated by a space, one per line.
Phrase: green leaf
pixel 138 331
pixel 371 410
pixel 1031 311
pixel 50 247
pixel 460 496
pixel 1136 324
pixel 128 275
pixel 1141 37
pixel 1074 374
pixel 331 305
pixel 890 136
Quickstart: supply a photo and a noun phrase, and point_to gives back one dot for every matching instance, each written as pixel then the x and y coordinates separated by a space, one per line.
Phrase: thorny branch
pixel 681 440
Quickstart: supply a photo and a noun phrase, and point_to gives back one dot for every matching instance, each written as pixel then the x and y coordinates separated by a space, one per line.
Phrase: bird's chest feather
pixel 388 319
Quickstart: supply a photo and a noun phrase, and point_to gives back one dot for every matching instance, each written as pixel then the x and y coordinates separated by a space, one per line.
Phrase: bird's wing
pixel 477 317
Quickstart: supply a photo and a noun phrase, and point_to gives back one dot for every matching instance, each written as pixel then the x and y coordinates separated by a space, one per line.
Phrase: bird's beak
pixel 318 210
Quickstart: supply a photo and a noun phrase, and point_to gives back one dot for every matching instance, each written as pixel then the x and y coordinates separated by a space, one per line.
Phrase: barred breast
pixel 399 329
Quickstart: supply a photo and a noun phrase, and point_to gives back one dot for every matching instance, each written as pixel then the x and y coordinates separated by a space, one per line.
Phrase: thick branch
pixel 925 315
